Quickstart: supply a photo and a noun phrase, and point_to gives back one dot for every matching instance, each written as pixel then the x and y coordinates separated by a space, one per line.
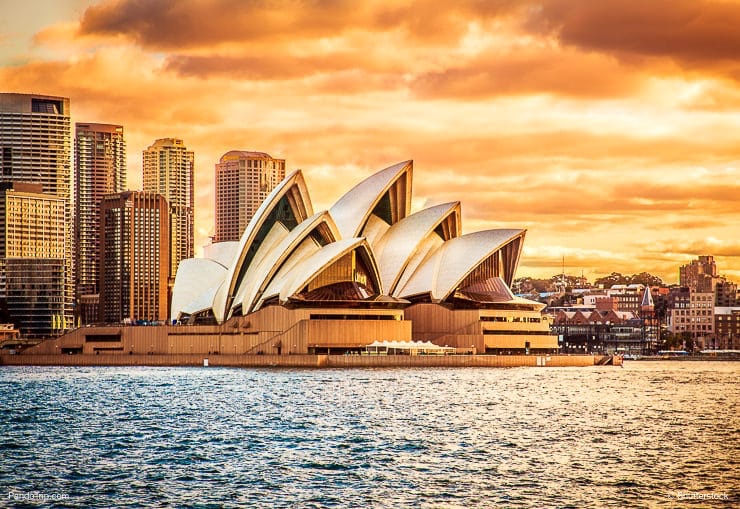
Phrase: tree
pixel 671 341
pixel 645 278
pixel 615 278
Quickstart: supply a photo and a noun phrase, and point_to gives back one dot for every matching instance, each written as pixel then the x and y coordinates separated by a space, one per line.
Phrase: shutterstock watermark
pixel 36 496
pixel 695 495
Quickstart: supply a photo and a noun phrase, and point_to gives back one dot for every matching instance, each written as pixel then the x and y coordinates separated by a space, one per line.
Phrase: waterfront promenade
pixel 310 361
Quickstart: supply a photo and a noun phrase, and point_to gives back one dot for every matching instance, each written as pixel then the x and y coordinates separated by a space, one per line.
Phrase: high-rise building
pixel 33 243
pixel 35 147
pixel 168 170
pixel 134 257
pixel 100 169
pixel 243 181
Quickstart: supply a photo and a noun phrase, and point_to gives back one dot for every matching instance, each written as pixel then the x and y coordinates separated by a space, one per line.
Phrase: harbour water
pixel 657 434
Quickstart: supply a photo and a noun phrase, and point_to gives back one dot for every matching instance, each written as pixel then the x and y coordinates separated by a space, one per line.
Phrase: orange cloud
pixel 534 70
pixel 607 151
pixel 196 23
pixel 190 23
pixel 724 248
pixel 693 33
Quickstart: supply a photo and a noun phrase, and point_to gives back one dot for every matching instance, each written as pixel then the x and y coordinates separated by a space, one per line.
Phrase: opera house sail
pixel 367 269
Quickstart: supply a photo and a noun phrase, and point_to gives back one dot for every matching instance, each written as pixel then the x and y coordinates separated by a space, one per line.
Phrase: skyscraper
pixel 243 181
pixel 100 169
pixel 134 257
pixel 168 170
pixel 33 243
pixel 35 147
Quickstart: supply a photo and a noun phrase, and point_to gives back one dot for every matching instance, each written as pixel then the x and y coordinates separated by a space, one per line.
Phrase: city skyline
pixel 616 156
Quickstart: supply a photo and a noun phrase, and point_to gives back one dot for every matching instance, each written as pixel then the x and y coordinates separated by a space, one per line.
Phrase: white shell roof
pixel 411 258
pixel 294 180
pixel 351 211
pixel 274 237
pixel 222 252
pixel 402 240
pixel 273 260
pixel 445 269
pixel 288 282
pixel 196 279
pixel 204 302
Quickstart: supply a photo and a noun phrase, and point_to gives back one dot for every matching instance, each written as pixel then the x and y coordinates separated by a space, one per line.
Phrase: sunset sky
pixel 609 130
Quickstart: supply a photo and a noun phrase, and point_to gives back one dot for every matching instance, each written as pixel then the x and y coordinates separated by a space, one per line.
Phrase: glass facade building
pixel 134 257
pixel 100 169
pixel 35 148
pixel 33 243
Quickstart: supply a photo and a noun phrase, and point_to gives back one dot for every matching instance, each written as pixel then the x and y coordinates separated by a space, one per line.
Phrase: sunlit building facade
pixel 244 179
pixel 699 274
pixel 35 148
pixel 100 169
pixel 134 257
pixel 33 243
pixel 168 170
pixel 727 328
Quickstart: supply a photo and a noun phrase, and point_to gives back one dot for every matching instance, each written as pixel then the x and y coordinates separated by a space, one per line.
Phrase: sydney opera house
pixel 367 269
pixel 365 272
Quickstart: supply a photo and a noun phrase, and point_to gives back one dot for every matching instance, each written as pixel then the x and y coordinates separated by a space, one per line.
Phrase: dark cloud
pixel 335 73
pixel 580 48
pixel 191 23
pixel 529 72
pixel 687 30
pixel 691 32
pixel 194 23
pixel 278 67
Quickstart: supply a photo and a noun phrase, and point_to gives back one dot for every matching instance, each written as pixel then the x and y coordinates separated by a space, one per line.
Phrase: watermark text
pixel 36 496
pixel 695 495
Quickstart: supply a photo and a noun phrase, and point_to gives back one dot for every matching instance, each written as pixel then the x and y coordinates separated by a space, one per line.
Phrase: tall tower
pixel 168 170
pixel 243 181
pixel 134 257
pixel 100 169
pixel 35 148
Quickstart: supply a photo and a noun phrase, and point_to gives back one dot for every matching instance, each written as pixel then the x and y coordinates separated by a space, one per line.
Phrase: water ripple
pixel 523 437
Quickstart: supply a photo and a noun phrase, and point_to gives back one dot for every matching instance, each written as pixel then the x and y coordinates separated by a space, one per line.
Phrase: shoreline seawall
pixel 310 361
